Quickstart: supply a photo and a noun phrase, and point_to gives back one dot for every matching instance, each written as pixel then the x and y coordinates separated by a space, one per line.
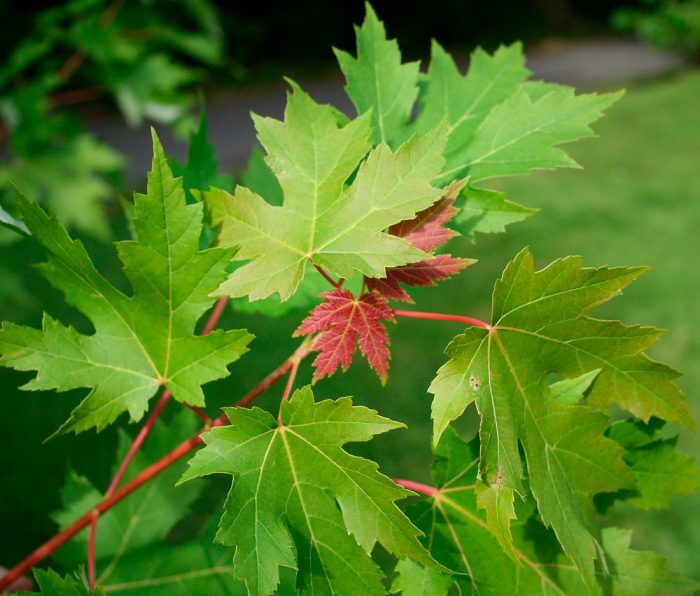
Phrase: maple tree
pixel 339 217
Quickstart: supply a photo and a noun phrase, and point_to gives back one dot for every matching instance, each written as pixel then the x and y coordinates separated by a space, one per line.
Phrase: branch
pixel 76 59
pixel 153 470
pixel 141 439
pixel 414 314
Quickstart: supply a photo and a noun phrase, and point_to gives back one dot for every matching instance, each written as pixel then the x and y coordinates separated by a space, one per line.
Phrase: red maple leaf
pixel 425 231
pixel 343 320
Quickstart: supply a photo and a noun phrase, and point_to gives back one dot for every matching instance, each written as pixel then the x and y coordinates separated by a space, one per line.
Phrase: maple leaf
pixel 461 539
pixel 378 82
pixel 539 327
pixel 50 583
pixel 465 100
pixel 343 321
pixel 201 170
pixel 494 122
pixel 140 342
pixel 426 231
pixel 487 212
pixel 300 500
pixel 413 579
pixel 659 470
pixel 338 226
pixel 521 134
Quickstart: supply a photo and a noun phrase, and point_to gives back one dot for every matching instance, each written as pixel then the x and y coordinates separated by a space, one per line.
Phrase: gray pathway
pixel 587 65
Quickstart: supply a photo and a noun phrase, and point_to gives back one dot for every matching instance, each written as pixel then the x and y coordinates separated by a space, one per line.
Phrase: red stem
pixel 203 417
pixel 288 387
pixel 436 316
pixel 219 308
pixel 418 487
pixel 328 278
pixel 153 470
pixel 91 550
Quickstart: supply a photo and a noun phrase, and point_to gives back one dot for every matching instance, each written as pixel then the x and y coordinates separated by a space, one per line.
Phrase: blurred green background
pixel 635 202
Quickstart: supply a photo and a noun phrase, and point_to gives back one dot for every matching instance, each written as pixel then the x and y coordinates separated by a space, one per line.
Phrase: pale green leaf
pixel 570 391
pixel 377 81
pixel 465 100
pixel 522 134
pixel 338 227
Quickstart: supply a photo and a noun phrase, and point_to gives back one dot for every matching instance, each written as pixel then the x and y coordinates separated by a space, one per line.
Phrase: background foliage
pixel 625 185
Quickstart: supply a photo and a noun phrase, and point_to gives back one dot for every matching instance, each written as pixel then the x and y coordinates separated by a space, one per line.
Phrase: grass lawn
pixel 636 202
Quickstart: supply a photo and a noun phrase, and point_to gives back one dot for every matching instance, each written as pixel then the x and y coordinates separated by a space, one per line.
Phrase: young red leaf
pixel 425 231
pixel 343 320
pixel 424 273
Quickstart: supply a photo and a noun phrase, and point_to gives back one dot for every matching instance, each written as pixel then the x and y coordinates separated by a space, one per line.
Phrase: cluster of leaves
pixel 668 24
pixel 365 203
pixel 87 49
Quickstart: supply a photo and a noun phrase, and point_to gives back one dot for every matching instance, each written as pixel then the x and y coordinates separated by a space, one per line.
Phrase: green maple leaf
pixel 50 583
pixel 460 538
pixel 201 170
pixel 659 470
pixel 465 100
pixel 493 121
pixel 141 342
pixel 377 81
pixel 539 327
pixel 487 212
pixel 522 133
pixel 299 500
pixel 413 579
pixel 259 178
pixel 338 227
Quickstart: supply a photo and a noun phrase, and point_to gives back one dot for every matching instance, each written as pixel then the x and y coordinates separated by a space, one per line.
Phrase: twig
pixel 414 314
pixel 73 96
pixel 202 416
pixel 418 487
pixel 76 59
pixel 328 278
